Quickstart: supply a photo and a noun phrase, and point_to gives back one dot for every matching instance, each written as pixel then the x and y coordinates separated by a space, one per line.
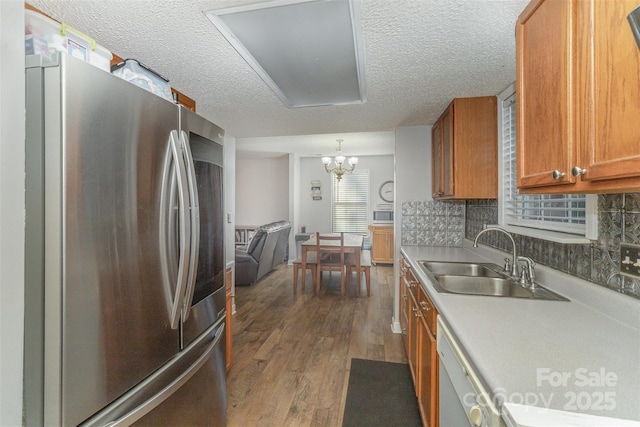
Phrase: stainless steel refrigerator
pixel 125 298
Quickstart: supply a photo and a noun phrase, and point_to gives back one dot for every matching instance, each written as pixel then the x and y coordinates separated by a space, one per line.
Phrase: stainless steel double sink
pixel 481 279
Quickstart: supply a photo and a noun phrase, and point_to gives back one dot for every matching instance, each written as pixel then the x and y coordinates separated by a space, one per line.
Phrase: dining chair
pixel 365 267
pixel 311 265
pixel 330 257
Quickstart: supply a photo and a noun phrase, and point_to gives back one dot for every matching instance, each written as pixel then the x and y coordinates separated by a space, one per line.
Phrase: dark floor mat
pixel 380 394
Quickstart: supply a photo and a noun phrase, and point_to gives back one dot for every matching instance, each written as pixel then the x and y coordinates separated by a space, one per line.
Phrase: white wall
pixel 413 163
pixel 315 215
pixel 294 201
pixel 413 182
pixel 11 210
pixel 262 190
pixel 230 206
pixel 230 195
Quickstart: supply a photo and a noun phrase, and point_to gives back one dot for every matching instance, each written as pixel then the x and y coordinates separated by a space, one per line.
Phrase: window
pixel 350 203
pixel 561 213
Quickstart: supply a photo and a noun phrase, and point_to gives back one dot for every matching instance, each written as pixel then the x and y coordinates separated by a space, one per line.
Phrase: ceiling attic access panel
pixel 309 53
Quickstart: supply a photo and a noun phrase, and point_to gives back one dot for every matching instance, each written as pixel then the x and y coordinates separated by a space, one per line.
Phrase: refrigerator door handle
pixel 195 225
pixel 146 407
pixel 185 230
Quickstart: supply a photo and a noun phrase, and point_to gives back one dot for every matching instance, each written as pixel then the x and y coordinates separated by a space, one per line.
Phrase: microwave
pixel 383 216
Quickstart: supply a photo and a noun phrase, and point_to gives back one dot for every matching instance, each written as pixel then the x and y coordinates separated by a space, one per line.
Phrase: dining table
pixel 352 244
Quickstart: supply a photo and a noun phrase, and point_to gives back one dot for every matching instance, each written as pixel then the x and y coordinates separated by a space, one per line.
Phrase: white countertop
pixel 580 356
pixel 532 416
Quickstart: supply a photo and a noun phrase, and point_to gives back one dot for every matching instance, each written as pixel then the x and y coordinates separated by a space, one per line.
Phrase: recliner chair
pixel 265 251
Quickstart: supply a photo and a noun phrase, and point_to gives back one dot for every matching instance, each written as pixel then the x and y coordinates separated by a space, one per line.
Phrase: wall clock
pixel 386 191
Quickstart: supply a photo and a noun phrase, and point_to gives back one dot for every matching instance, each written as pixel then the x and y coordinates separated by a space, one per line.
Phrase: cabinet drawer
pixel 429 312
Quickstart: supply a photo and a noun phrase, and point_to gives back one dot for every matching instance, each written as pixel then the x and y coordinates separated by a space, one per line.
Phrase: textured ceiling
pixel 419 54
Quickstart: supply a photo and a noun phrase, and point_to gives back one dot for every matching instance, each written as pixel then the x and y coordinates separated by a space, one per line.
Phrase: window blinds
pixel 350 207
pixel 556 212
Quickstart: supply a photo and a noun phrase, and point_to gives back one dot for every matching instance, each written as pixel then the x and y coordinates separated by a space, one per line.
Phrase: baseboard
pixel 395 327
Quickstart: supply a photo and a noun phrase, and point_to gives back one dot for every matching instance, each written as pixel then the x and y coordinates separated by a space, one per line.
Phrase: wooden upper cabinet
pixel 447 153
pixel 544 56
pixel 465 150
pixel 436 159
pixel 578 97
pixel 611 127
pixel 442 155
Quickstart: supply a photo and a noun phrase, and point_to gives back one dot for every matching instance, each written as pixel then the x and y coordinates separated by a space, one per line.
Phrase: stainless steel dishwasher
pixel 463 399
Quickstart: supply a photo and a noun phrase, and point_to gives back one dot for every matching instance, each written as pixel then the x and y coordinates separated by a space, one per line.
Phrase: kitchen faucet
pixel 514 261
pixel 528 274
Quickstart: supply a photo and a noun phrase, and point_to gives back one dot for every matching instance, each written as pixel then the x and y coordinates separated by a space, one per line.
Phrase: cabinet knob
pixel 556 174
pixel 424 305
pixel 577 171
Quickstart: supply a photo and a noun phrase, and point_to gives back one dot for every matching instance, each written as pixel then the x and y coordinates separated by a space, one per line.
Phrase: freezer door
pixel 190 390
pixel 106 149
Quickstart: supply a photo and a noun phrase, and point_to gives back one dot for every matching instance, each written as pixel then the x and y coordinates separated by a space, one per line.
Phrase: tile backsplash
pixel 433 223
pixel 448 223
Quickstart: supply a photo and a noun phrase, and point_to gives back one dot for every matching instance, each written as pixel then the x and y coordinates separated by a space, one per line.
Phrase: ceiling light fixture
pixel 338 161
pixel 310 52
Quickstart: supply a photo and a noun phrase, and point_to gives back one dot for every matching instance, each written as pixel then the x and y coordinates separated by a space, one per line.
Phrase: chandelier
pixel 335 165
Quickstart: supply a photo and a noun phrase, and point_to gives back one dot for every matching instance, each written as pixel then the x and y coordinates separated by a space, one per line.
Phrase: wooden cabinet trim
pixel 530 9
pixel 437 156
pixel 229 319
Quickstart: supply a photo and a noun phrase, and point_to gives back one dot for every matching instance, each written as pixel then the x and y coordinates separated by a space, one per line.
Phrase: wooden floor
pixel 292 353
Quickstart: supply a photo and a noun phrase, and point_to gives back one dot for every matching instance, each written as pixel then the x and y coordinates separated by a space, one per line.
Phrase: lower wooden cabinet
pixel 418 322
pixel 412 351
pixel 381 244
pixel 404 305
pixel 229 319
pixel 427 372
